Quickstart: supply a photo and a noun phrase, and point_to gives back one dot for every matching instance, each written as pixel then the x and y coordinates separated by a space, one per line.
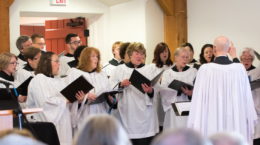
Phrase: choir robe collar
pixel 115 62
pixel 6 76
pixel 50 76
pixel 28 67
pixel 184 69
pixel 131 65
pixel 193 60
pixel 20 56
pixel 94 70
pixel 250 68
pixel 73 63
pixel 222 60
pixel 69 55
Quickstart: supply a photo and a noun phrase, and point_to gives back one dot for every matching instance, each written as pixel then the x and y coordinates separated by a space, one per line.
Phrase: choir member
pixel 122 52
pixel 38 41
pixel 161 61
pixel 22 43
pixel 89 67
pixel 44 92
pixel 72 42
pixel 189 48
pixel 206 54
pixel 222 98
pixel 181 72
pixel 137 110
pixel 110 66
pixel 8 64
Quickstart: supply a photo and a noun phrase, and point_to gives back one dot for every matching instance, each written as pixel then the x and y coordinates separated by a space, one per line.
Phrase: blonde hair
pixel 23 132
pixel 84 59
pixel 137 47
pixel 5 59
pixel 116 44
pixel 179 50
pixel 102 130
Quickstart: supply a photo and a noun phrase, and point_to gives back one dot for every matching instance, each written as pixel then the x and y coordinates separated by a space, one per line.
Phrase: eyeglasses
pixel 14 63
pixel 75 42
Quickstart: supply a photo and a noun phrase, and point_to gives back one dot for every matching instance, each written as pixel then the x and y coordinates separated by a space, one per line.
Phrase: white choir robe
pixel 20 64
pixel 100 83
pixel 222 101
pixel 137 111
pixel 171 121
pixel 255 75
pixel 108 69
pixel 64 67
pixel 160 112
pixel 44 92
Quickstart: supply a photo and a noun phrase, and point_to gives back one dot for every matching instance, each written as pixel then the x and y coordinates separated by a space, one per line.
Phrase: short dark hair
pixel 122 49
pixel 187 44
pixel 34 36
pixel 202 58
pixel 20 40
pixel 44 65
pixel 31 52
pixel 160 47
pixel 78 51
pixel 69 36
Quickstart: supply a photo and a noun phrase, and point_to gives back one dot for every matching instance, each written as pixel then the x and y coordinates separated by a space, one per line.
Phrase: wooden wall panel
pixel 54 45
pixel 4 25
pixel 48 45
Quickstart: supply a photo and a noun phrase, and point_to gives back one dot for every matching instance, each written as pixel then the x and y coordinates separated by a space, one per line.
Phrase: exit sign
pixel 59 2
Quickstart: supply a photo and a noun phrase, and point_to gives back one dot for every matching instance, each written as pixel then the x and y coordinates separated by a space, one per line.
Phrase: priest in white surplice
pixel 222 98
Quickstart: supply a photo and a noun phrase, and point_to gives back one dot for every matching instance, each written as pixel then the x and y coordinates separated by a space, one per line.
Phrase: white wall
pixel 236 19
pixel 133 21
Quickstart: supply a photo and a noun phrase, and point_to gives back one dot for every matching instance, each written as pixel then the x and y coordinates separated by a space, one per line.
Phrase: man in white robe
pixel 222 98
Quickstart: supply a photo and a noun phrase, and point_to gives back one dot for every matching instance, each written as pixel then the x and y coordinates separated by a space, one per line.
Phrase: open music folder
pixel 137 79
pixel 80 84
pixel 177 85
pixel 23 88
pixel 181 108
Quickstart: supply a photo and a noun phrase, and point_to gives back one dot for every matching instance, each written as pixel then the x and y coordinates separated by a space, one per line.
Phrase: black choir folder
pixel 181 108
pixel 104 96
pixel 23 88
pixel 137 79
pixel 6 100
pixel 177 85
pixel 80 84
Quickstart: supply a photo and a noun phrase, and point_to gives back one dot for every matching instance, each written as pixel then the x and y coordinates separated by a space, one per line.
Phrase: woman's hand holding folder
pixel 125 83
pixel 147 89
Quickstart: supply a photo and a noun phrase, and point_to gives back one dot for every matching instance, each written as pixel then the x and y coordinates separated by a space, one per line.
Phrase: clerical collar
pixel 184 69
pixel 250 68
pixel 69 55
pixel 21 57
pixel 222 60
pixel 131 65
pixel 6 76
pixel 28 67
pixel 115 62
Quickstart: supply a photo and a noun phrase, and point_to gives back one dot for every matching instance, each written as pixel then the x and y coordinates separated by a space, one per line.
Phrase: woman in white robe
pixel 137 110
pixel 161 61
pixel 89 67
pixel 44 92
pixel 181 72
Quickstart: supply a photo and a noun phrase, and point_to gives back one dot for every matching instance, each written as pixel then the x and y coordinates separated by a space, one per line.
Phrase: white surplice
pixel 64 67
pixel 100 83
pixel 171 120
pixel 44 92
pixel 222 101
pixel 137 111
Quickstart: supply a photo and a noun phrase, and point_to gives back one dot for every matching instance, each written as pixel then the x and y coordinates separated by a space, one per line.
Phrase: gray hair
pixel 236 138
pixel 102 130
pixel 21 40
pixel 179 137
pixel 250 51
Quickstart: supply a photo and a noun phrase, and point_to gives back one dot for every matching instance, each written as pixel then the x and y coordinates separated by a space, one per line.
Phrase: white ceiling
pixel 113 2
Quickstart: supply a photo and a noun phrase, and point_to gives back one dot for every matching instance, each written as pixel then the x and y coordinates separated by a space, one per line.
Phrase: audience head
pixel 49 64
pixel 38 41
pixel 116 50
pixel 73 41
pixel 190 49
pixel 162 55
pixel 32 55
pixel 8 63
pixel 102 130
pixel 181 57
pixel 78 52
pixel 226 138
pixel 206 54
pixel 122 52
pixel 178 137
pixel 136 53
pixel 221 46
pixel 23 42
pixel 247 57
pixel 22 132
pixel 89 60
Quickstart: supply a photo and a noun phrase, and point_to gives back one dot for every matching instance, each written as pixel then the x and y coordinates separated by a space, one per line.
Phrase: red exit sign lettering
pixel 59 2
